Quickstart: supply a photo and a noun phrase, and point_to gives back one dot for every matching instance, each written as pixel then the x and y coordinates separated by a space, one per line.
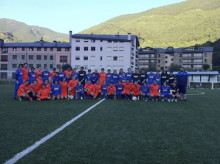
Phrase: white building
pixel 104 51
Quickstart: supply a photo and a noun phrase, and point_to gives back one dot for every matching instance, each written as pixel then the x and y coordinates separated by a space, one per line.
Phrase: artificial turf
pixel 118 131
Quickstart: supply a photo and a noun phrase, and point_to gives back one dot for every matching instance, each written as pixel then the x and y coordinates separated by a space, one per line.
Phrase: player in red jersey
pixel 25 72
pixel 71 86
pixel 39 81
pixel 102 76
pixel 127 89
pixel 38 72
pixel 89 89
pixel 135 90
pixel 154 91
pixel 23 91
pixel 52 74
pixel 43 93
pixel 97 89
pixel 111 91
pixel 34 89
pixel 64 88
pixel 68 71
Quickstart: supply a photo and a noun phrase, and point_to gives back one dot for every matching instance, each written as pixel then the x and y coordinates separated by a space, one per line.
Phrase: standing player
pixel 97 89
pixel 89 89
pixel 94 78
pixel 79 91
pixel 154 91
pixel 31 75
pixel 142 77
pixel 164 77
pixel 102 76
pixel 56 78
pixel 18 79
pixel 158 79
pixel 114 77
pixel 182 78
pixel 39 81
pixel 135 90
pixel 119 90
pixel 56 90
pixel 74 73
pixel 25 72
pixel 120 74
pixel 45 74
pixel 82 75
pixel 151 78
pixel 165 92
pixel 111 91
pixel 68 71
pixel 108 77
pixel 52 74
pixel 64 88
pixel 135 76
pixel 89 75
pixel 72 86
pixel 174 92
pixel 122 79
pixel 129 75
pixel 38 72
pixel 61 74
pixel 171 78
pixel 68 78
pixel 145 91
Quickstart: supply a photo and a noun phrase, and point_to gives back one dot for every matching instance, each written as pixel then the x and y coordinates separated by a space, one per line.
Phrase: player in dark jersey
pixel 174 92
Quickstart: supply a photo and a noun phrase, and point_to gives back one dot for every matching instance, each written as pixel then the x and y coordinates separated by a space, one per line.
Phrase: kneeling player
pixel 174 92
pixel 56 91
pixel 97 89
pixel 43 93
pixel 79 91
pixel 24 91
pixel 119 90
pixel 135 90
pixel 34 89
pixel 127 89
pixel 145 92
pixel 89 89
pixel 154 91
pixel 64 88
pixel 165 92
pixel 104 90
pixel 111 91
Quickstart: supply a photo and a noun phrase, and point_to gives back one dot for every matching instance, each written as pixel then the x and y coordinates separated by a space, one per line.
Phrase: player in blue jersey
pixel 108 77
pixel 104 90
pixel 123 78
pixel 74 73
pixel 18 79
pixel 68 78
pixel 61 74
pixel 80 91
pixel 182 79
pixel 94 78
pixel 129 75
pixel 145 91
pixel 88 75
pixel 114 77
pixel 158 79
pixel 151 78
pixel 165 92
pixel 56 78
pixel 45 74
pixel 120 74
pixel 56 90
pixel 119 90
pixel 31 75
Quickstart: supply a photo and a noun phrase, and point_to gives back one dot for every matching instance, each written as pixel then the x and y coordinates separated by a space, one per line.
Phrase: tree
pixel 205 67
pixel 152 67
pixel 66 66
pixel 174 67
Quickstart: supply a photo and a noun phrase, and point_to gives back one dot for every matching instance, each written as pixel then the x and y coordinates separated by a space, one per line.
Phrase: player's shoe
pixel 162 100
pixel 168 100
pixel 175 100
pixel 20 99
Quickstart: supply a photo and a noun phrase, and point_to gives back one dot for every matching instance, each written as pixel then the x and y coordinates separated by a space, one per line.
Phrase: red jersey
pixel 135 90
pixel 111 89
pixel 127 87
pixel 25 74
pixel 52 74
pixel 48 86
pixel 68 72
pixel 39 83
pixel 22 88
pixel 34 88
pixel 97 89
pixel 37 73
pixel 89 88
pixel 102 77
pixel 154 89
pixel 72 83
pixel 64 88
pixel 44 93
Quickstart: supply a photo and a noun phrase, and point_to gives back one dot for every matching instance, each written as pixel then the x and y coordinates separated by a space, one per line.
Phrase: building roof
pixel 107 37
pixel 38 44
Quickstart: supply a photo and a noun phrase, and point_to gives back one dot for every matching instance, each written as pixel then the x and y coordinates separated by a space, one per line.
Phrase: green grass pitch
pixel 115 131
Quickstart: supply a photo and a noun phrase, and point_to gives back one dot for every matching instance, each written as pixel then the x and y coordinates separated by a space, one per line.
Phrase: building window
pixel 158 55
pixel 92 48
pixel 205 60
pixel 4 66
pixel 4 50
pixel 205 54
pixel 158 61
pixel 93 41
pixel 31 49
pixel 4 75
pixel 77 48
pixel 115 58
pixel 14 57
pixel 58 66
pixel 45 66
pixel 121 58
pixel 51 48
pixel 166 57
pixel 38 57
pixel 180 60
pixel 109 49
pixel 165 61
pixel 100 58
pixel 31 65
pixel 45 49
pixel 59 49
pixel 121 48
pixel 115 48
pixel 31 57
pixel 77 58
pixel 180 55
pixel 109 58
pixel 51 66
pixel 4 58
pixel 92 67
pixel 14 65
pixel 23 49
pixel 63 59
pixel 100 40
pixel 14 48
pixel 85 57
pixel 86 40
pixel 86 48
pixel 172 59
pixel 23 57
pixel 67 49
pixel 45 57
pixel 92 58
pixel 51 57
pixel 109 41
pixel 77 40
pixel 38 49
pixel 100 48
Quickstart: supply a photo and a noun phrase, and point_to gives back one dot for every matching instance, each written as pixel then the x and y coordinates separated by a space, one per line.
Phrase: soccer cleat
pixel 162 100
pixel 175 100
pixel 20 99
pixel 30 99
pixel 168 100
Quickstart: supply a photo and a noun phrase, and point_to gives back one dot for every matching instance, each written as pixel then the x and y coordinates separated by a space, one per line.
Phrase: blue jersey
pixel 119 89
pixel 165 90
pixel 123 79
pixel 88 76
pixel 56 78
pixel 19 76
pixel 104 89
pixel 94 79
pixel 79 88
pixel 31 77
pixel 129 76
pixel 145 89
pixel 158 80
pixel 67 79
pixel 120 75
pixel 45 75
pixel 56 89
pixel 61 75
pixel 76 75
pixel 151 78
pixel 108 78
pixel 114 79
pixel 181 78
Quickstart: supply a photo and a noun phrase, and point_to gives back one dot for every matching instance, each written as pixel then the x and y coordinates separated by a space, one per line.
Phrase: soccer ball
pixel 134 98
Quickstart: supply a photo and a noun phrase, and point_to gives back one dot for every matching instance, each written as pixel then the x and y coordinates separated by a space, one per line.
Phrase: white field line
pixel 196 94
pixel 29 149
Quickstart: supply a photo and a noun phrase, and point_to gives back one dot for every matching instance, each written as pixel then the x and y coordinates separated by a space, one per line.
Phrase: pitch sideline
pixel 29 149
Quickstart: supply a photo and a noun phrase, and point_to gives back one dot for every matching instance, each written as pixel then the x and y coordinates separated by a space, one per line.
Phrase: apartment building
pixel 104 51
pixel 191 58
pixel 36 54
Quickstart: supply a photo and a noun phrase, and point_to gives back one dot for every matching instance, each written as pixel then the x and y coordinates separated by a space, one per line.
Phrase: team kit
pixel 72 84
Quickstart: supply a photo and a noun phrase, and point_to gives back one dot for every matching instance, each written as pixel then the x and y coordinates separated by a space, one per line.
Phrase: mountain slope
pixel 25 33
pixel 183 24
